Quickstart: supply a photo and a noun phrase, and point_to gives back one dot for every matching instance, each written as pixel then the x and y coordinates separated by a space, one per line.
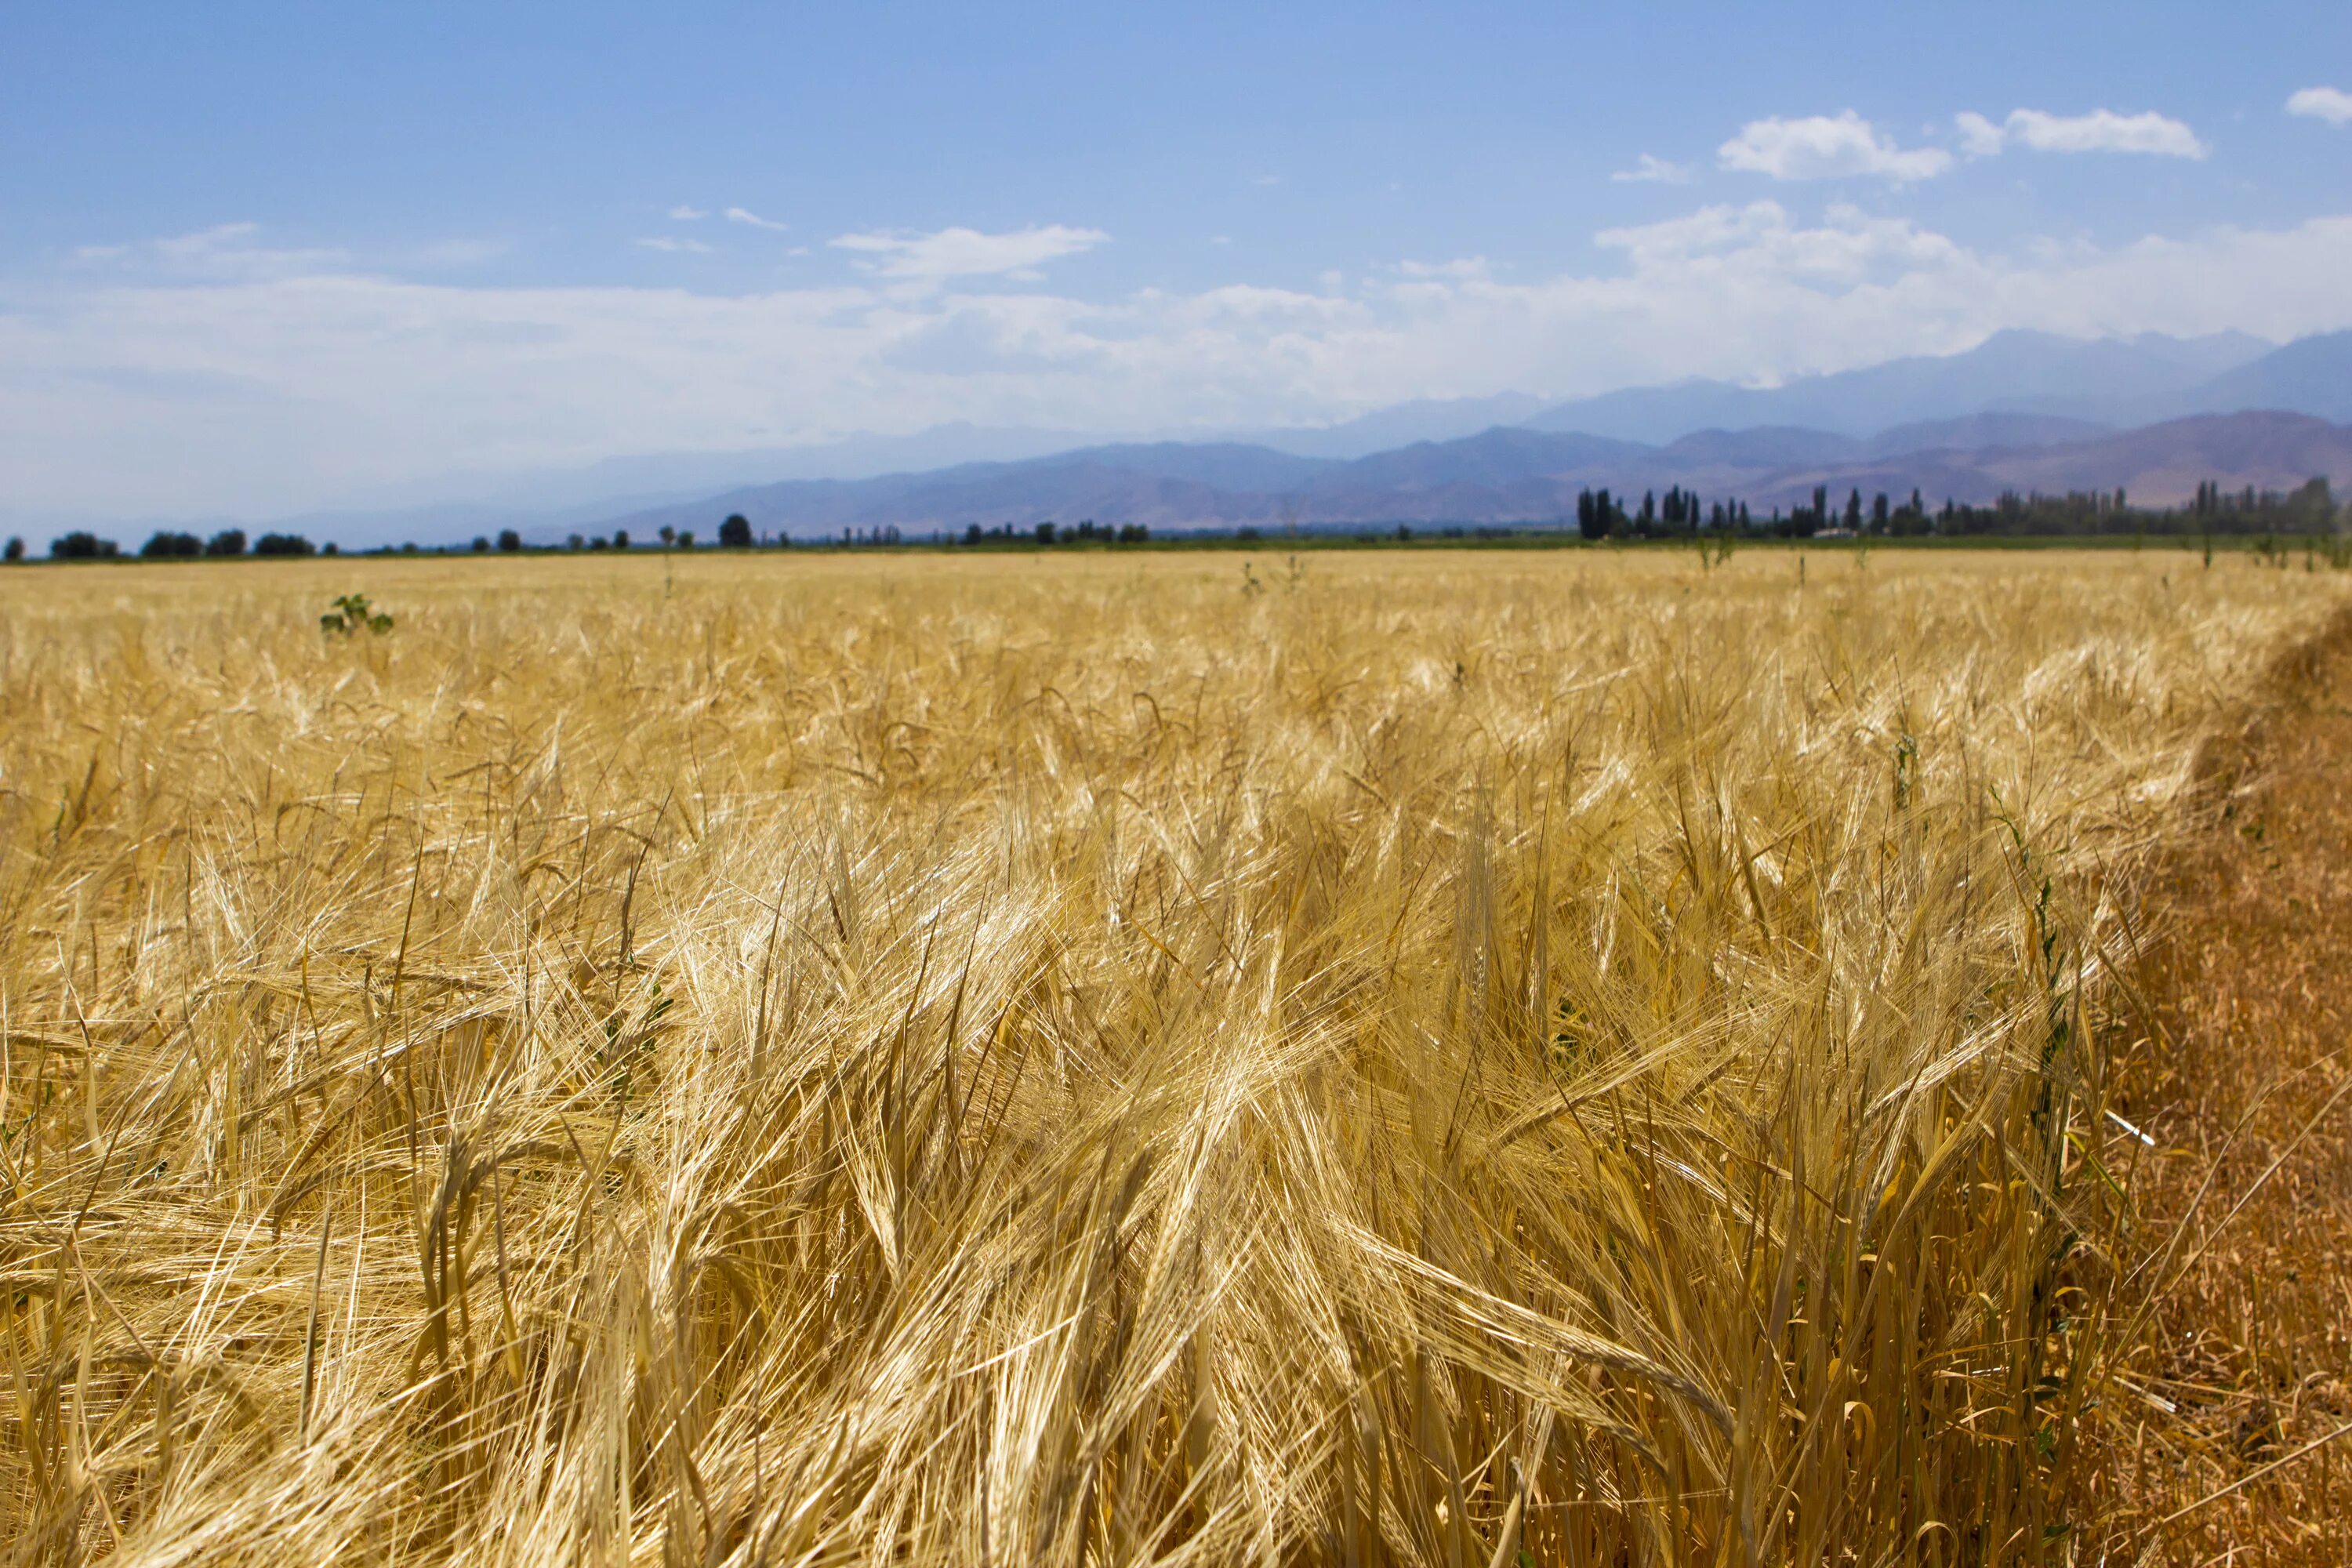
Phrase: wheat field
pixel 1572 1058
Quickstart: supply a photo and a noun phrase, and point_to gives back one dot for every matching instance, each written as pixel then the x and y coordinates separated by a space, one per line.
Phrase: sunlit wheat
pixel 1115 1059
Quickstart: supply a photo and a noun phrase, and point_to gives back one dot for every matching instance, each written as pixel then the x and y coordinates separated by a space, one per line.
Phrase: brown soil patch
pixel 2243 1254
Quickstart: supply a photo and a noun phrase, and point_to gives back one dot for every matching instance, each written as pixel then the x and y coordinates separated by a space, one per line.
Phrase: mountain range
pixel 1508 475
pixel 2024 411
pixel 2021 410
pixel 2108 381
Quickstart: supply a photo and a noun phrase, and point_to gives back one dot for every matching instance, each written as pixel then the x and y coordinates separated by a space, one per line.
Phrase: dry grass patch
pixel 2234 1399
pixel 1043 1060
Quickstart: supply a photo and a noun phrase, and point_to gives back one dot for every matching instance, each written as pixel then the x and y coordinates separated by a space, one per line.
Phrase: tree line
pixel 171 545
pixel 1087 532
pixel 2247 512
pixel 1601 514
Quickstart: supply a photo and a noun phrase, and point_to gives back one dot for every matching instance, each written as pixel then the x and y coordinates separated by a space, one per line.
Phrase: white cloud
pixel 1848 248
pixel 745 216
pixel 676 245
pixel 1711 228
pixel 2332 104
pixel 967 252
pixel 1826 147
pixel 1650 168
pixel 685 213
pixel 1979 137
pixel 2100 130
pixel 268 392
pixel 2105 130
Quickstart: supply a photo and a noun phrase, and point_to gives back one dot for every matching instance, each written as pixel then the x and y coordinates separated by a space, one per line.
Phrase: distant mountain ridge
pixel 1518 476
pixel 2111 381
pixel 2311 376
pixel 2021 410
pixel 2015 394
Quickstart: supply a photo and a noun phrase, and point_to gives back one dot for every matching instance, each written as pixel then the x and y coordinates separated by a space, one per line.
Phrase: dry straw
pixel 1054 1062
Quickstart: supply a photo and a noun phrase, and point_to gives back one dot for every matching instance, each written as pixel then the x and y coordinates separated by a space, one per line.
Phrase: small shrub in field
pixel 353 612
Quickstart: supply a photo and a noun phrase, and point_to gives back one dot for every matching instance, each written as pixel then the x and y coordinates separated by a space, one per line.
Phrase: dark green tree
pixel 169 546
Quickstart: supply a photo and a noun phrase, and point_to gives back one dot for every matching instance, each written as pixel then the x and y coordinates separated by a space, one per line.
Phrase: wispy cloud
pixel 2100 130
pixel 220 239
pixel 675 245
pixel 1461 268
pixel 2332 104
pixel 1828 147
pixel 967 252
pixel 225 250
pixel 232 252
pixel 685 213
pixel 1651 169
pixel 745 216
pixel 449 254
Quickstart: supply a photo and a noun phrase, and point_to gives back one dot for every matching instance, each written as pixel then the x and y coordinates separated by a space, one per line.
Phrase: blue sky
pixel 269 256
